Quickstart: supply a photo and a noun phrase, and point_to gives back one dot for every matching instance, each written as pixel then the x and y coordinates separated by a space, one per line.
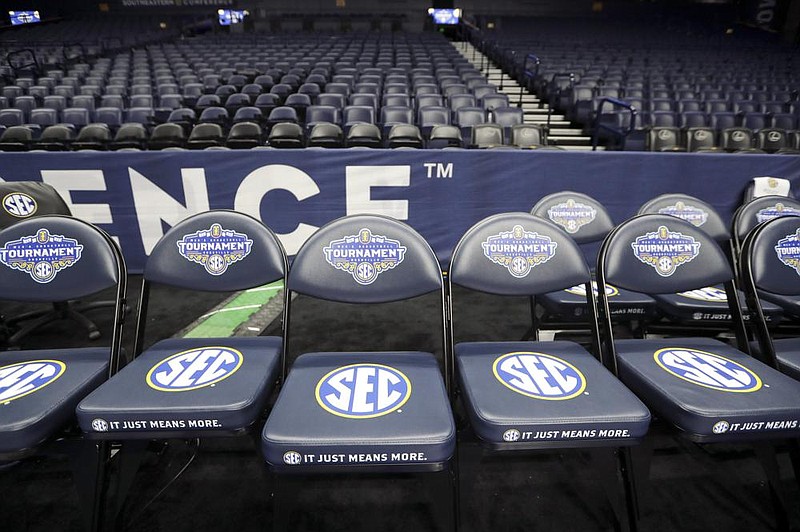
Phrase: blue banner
pixel 136 197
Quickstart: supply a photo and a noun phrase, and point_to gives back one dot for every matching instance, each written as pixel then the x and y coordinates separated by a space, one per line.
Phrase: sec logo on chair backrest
pixel 707 369
pixel 363 391
pixel 779 209
pixel 24 378
pixel 572 215
pixel 694 215
pixel 20 205
pixel 195 368
pixel 539 375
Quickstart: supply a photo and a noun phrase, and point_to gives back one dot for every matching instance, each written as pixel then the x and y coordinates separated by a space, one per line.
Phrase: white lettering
pixel 359 181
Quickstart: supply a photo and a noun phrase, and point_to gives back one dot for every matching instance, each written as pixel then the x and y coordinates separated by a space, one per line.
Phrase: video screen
pixel 231 16
pixel 445 16
pixel 23 17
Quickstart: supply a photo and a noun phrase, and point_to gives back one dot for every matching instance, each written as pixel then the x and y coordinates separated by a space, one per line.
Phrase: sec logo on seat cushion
pixel 707 370
pixel 539 376
pixel 363 391
pixel 193 369
pixel 24 378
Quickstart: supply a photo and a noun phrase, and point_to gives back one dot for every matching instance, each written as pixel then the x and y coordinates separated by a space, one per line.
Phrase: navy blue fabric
pixel 313 271
pixel 265 262
pixel 141 411
pixel 596 224
pixel 685 308
pixel 476 266
pixel 423 428
pixel 773 410
pixel 605 409
pixel 440 193
pixel 621 267
pixel 693 210
pixel 622 303
pixel 30 419
pixel 95 270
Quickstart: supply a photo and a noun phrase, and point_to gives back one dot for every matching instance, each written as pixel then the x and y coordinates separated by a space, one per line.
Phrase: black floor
pixel 225 485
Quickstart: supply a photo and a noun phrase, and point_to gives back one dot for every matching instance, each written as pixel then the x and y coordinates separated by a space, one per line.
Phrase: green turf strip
pixel 222 322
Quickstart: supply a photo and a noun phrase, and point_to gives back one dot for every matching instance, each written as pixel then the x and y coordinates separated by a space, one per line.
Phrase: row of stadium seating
pixel 288 134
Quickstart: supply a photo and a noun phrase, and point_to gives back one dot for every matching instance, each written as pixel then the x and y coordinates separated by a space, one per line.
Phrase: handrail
pixel 550 101
pixel 527 73
pixel 597 126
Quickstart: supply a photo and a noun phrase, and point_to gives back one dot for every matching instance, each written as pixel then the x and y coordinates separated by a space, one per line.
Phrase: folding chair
pixel 349 401
pixel 539 395
pixel 770 264
pixel 704 389
pixel 45 259
pixel 192 387
pixel 587 221
pixel 746 219
pixel 705 307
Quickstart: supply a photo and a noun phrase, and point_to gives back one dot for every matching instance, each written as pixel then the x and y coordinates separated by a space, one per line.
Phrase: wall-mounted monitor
pixel 231 16
pixel 448 17
pixel 23 17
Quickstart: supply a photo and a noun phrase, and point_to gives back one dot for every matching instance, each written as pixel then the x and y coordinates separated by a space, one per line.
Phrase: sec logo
pixel 25 378
pixel 195 368
pixel 20 205
pixel 539 376
pixel 707 370
pixel 363 391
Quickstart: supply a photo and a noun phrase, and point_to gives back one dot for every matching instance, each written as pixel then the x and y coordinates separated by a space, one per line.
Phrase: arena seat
pixel 444 136
pixel 167 136
pixel 404 136
pixel 16 138
pixel 659 254
pixel 57 137
pixel 364 135
pixel 130 136
pixel 326 135
pixel 513 409
pixel 286 135
pixel 487 135
pixel 421 441
pixel 94 136
pixel 245 135
pixel 226 381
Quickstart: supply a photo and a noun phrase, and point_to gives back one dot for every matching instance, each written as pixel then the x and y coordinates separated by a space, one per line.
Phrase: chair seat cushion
pixel 790 304
pixel 710 390
pixel 570 304
pixel 181 386
pixel 39 390
pixel 544 392
pixel 787 351
pixel 707 304
pixel 345 410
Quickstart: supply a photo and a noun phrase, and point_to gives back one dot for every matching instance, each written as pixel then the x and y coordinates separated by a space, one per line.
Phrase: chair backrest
pixel 217 251
pixel 365 259
pixel 582 216
pixel 25 199
pixel 487 135
pixel 517 254
pixel 661 254
pixel 770 257
pixel 693 210
pixel 759 211
pixel 57 258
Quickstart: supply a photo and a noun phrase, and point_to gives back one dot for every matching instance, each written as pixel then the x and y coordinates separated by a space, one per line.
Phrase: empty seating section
pixel 687 75
pixel 416 79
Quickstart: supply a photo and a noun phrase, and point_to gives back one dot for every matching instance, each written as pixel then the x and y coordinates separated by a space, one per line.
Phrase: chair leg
pixel 89 460
pixel 129 459
pixel 285 490
pixel 765 452
pixel 607 465
pixel 442 490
